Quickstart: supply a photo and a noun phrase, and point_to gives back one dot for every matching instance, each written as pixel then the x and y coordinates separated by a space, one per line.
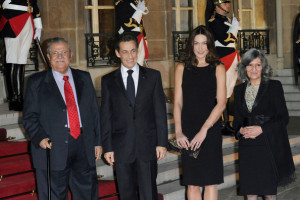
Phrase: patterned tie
pixel 130 88
pixel 72 109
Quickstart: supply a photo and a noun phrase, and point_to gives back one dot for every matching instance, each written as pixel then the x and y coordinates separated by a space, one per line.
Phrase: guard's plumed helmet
pixel 217 2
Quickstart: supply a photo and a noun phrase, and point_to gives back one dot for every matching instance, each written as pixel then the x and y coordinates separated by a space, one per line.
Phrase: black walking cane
pixel 48 171
pixel 49 141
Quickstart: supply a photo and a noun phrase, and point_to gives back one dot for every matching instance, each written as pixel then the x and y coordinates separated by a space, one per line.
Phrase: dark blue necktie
pixel 130 88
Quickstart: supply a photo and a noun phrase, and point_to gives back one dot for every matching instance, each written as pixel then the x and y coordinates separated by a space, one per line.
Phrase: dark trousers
pixel 145 173
pixel 78 176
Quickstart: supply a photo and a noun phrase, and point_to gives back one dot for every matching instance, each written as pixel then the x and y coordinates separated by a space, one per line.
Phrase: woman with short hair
pixel 260 120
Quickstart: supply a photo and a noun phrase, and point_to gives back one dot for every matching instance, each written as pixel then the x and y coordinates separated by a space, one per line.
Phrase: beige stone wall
pixel 158 25
pixel 290 9
pixel 65 19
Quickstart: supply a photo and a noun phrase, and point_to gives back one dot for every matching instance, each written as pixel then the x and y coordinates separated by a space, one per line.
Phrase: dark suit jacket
pixel 270 107
pixel 133 133
pixel 45 116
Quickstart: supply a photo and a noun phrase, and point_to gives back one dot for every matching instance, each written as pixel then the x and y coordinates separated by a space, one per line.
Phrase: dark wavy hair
pixel 211 58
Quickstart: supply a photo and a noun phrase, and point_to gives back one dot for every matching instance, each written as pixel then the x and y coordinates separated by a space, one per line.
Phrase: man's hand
pixel 109 157
pixel 160 152
pixel 44 144
pixel 98 152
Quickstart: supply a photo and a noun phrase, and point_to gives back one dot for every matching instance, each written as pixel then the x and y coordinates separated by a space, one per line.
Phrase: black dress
pixel 199 87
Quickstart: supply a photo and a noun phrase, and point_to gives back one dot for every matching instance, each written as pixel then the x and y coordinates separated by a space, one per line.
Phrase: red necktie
pixel 72 109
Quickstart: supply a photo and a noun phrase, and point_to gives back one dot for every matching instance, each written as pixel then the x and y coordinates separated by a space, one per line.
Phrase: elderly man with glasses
pixel 61 113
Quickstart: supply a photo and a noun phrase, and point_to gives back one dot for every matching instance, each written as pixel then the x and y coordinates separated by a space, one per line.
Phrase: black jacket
pixel 270 112
pixel 45 116
pixel 133 133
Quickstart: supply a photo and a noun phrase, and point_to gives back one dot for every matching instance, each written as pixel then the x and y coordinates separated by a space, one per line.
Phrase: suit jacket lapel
pixel 141 81
pixel 261 91
pixel 119 81
pixel 53 88
pixel 243 96
pixel 79 85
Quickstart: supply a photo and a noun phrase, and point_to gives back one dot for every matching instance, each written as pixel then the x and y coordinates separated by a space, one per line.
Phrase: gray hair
pixel 247 58
pixel 58 40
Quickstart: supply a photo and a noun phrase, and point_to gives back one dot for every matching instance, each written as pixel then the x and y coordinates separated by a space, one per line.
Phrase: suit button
pixel 66 142
pixel 64 110
pixel 66 125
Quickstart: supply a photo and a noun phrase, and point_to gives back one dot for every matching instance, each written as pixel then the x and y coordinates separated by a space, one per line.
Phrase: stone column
pixel 65 19
pixel 279 37
pixel 201 11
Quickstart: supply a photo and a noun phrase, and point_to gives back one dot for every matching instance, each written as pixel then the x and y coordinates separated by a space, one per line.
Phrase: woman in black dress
pixel 200 98
pixel 260 120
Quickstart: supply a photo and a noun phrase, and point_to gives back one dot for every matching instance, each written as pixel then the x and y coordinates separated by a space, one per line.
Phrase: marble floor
pixel 290 192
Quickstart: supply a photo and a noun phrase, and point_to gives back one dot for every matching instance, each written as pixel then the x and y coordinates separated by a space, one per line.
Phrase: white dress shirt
pixel 135 76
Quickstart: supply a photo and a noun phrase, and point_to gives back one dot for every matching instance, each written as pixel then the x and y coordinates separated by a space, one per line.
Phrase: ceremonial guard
pixel 225 34
pixel 129 18
pixel 19 24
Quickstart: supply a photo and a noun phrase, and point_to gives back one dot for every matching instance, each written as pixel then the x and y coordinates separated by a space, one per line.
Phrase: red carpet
pixel 17 184
pixel 11 148
pixel 32 196
pixel 15 164
pixel 18 179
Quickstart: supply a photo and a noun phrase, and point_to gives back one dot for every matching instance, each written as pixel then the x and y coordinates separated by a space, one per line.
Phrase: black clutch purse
pixel 173 146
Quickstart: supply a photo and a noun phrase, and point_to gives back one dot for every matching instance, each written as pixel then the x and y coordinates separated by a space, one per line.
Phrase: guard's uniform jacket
pixel 130 19
pixel 15 16
pixel 225 43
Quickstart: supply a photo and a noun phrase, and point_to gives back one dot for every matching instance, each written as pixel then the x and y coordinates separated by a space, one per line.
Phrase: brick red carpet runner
pixel 17 180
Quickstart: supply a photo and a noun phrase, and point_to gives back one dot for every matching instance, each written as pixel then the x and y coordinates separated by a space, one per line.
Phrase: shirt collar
pixel 59 76
pixel 124 69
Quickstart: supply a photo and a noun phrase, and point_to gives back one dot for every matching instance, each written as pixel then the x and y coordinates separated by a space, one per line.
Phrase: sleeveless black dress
pixel 199 88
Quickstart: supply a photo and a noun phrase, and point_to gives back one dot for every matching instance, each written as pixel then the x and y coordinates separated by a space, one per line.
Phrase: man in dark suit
pixel 61 106
pixel 134 122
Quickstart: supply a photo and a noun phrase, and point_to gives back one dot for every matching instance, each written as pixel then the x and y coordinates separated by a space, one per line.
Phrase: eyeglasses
pixel 56 53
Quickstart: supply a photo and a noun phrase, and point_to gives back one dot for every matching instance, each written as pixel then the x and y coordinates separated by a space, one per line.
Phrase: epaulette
pixel 211 19
pixel 298 41
pixel 118 2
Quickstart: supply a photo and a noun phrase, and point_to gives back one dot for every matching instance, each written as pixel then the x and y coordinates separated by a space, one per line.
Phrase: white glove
pixel 140 10
pixel 141 5
pixel 37 34
pixel 235 22
pixel 5 4
pixel 235 27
